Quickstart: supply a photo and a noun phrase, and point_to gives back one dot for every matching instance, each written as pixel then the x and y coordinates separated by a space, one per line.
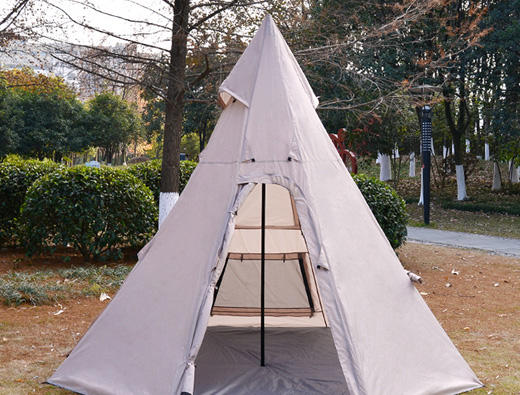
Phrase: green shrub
pixel 386 205
pixel 187 169
pixel 16 176
pixel 485 207
pixel 95 211
pixel 150 174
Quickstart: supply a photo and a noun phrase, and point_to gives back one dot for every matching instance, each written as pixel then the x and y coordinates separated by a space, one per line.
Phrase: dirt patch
pixel 34 340
pixel 479 310
pixel 16 259
pixel 474 295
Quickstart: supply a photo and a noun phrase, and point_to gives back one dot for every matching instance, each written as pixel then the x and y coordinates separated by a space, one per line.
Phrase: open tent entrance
pixel 268 331
pixel 289 288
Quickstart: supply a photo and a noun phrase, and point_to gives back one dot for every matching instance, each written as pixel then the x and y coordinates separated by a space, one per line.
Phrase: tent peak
pixel 267 54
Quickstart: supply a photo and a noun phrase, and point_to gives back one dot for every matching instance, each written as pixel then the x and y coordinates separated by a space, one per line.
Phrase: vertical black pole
pixel 426 150
pixel 262 285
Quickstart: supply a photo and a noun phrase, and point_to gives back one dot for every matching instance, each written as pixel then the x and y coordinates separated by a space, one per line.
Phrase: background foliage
pixel 16 176
pixel 150 174
pixel 112 123
pixel 386 205
pixel 95 211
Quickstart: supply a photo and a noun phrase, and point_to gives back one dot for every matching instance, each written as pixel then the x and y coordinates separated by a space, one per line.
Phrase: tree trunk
pixel 412 165
pixel 202 136
pixel 174 112
pixel 108 156
pixel 461 183
pixel 457 145
pixel 497 179
pixel 386 168
pixel 457 131
pixel 513 172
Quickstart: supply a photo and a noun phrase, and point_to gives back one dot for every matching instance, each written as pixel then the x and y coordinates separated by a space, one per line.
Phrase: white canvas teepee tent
pixel 271 230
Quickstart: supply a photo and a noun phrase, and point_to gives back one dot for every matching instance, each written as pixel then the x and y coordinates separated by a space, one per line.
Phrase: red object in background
pixel 339 142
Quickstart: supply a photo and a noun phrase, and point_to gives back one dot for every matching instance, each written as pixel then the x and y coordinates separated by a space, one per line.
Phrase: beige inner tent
pixel 290 282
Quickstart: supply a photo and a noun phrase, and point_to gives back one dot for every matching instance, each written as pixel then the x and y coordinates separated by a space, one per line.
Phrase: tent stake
pixel 262 285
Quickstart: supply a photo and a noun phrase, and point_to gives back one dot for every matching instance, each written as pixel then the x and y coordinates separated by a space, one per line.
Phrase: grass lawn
pixel 479 311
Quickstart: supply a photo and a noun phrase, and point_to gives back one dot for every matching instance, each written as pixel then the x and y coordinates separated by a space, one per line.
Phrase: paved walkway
pixel 496 245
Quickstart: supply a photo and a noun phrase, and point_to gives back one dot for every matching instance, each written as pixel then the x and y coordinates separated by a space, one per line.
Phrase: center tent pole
pixel 262 284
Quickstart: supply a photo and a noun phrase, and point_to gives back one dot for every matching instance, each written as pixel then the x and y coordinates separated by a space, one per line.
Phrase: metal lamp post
pixel 426 130
pixel 426 138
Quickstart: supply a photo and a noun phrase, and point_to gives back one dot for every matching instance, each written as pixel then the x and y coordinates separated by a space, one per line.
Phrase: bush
pixel 386 205
pixel 95 211
pixel 16 176
pixel 150 174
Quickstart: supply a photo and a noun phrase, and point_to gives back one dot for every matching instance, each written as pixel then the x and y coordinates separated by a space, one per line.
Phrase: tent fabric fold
pixel 329 256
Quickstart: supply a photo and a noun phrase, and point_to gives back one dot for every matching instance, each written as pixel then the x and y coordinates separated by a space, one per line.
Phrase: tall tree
pixel 112 123
pixel 376 50
pixel 165 33
pixel 496 79
pixel 360 55
pixel 9 139
pixel 43 116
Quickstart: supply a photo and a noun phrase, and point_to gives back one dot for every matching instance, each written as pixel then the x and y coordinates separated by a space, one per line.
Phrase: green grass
pixel 485 223
pixel 47 286
pixel 481 204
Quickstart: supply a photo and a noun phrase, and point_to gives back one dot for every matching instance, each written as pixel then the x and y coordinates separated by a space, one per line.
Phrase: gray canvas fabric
pixel 387 341
pixel 298 361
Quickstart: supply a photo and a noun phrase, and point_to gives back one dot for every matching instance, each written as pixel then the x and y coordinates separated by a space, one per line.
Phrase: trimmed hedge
pixel 386 205
pixel 95 211
pixel 150 174
pixel 16 176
